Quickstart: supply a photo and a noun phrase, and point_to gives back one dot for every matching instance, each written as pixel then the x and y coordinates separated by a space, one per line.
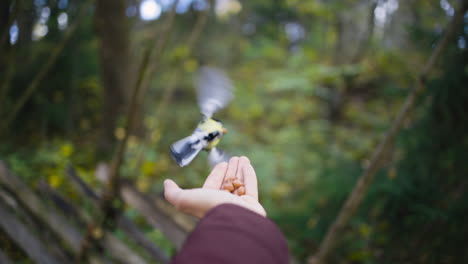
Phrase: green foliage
pixel 307 117
pixel 426 201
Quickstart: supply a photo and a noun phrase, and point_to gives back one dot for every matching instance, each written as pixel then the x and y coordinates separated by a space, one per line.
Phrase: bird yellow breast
pixel 209 126
pixel 213 143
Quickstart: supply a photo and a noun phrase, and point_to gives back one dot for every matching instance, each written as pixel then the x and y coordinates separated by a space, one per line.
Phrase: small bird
pixel 214 91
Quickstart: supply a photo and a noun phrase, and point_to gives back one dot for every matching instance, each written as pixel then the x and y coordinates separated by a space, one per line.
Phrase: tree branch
pixel 113 34
pixel 363 45
pixel 6 84
pixel 7 52
pixel 11 18
pixel 360 189
pixel 111 195
pixel 170 88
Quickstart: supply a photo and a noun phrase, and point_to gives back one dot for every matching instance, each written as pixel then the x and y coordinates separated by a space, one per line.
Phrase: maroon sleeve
pixel 232 234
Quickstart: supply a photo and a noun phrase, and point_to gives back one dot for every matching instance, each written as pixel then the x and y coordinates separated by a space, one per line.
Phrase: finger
pixel 215 179
pixel 194 201
pixel 232 168
pixel 172 193
pixel 243 161
pixel 250 181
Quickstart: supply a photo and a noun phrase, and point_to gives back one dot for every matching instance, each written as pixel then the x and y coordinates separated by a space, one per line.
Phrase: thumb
pixel 172 192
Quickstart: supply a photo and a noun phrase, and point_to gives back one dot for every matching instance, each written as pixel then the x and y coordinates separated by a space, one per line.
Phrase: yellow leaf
pixel 281 189
pixel 85 124
pixel 66 150
pixel 148 168
pixel 181 51
pixel 97 233
pixel 132 141
pixel 392 173
pixel 163 165
pixel 143 184
pixel 359 255
pixel 149 122
pixel 312 223
pixel 58 97
pixel 119 133
pixel 190 65
pixel 155 136
pixel 364 230
pixel 55 180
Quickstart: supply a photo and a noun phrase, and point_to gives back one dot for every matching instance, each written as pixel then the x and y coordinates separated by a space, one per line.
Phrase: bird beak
pixel 224 131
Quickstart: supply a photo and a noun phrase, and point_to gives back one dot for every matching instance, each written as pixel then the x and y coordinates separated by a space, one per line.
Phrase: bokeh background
pixel 317 84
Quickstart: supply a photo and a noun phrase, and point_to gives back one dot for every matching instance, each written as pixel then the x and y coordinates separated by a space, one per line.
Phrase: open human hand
pixel 199 201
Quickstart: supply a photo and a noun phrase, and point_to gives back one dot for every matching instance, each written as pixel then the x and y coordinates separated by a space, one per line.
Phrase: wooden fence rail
pixel 67 222
pixel 24 238
pixel 124 223
pixel 4 259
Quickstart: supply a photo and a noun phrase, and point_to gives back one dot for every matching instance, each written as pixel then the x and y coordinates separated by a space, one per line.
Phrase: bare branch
pixel 152 55
pixel 170 88
pixel 151 58
pixel 360 189
pixel 6 84
pixel 193 38
pixel 113 34
pixel 11 18
pixel 111 192
pixel 363 45
pixel 7 59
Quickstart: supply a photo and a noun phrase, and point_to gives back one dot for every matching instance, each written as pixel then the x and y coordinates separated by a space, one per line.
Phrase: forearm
pixel 232 234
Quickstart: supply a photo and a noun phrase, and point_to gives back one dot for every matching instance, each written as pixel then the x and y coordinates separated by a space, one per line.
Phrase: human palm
pixel 199 201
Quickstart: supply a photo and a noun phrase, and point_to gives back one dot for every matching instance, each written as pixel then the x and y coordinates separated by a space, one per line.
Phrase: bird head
pixel 210 125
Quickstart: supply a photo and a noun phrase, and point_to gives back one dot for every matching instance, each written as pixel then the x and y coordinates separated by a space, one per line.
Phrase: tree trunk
pixel 4 27
pixel 26 18
pixel 4 49
pixel 113 34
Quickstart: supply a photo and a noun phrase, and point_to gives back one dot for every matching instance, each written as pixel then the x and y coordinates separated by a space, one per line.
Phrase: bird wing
pixel 214 90
pixel 217 156
pixel 186 149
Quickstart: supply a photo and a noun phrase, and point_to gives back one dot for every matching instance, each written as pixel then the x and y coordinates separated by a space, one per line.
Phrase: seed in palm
pixel 234 186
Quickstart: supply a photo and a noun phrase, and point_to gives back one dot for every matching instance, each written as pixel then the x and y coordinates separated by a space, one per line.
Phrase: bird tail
pixel 185 150
pixel 217 156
